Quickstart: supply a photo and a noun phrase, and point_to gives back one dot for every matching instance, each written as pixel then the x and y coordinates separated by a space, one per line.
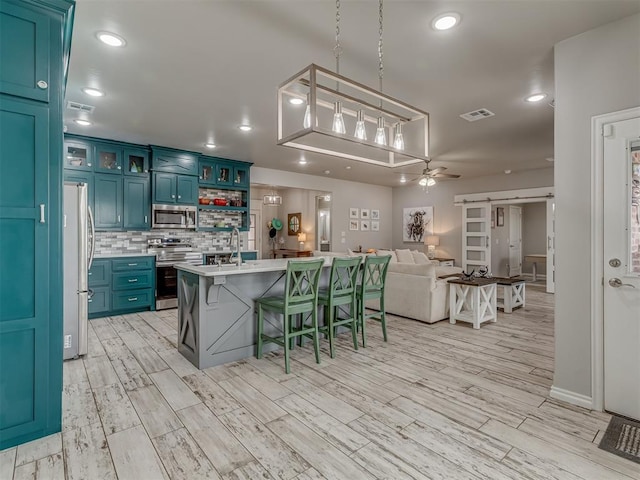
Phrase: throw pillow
pixel 420 258
pixel 382 253
pixel 404 256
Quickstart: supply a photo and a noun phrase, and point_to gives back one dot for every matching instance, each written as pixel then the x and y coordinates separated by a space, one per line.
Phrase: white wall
pixel 344 194
pixel 596 72
pixel 447 217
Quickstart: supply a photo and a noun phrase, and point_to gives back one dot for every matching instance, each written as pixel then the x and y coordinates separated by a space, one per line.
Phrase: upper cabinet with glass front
pixel 224 173
pixel 108 158
pixel 136 162
pixel 78 155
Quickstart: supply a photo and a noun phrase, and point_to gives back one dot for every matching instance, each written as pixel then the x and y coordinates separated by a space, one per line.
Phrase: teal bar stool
pixel 340 297
pixel 300 298
pixel 371 287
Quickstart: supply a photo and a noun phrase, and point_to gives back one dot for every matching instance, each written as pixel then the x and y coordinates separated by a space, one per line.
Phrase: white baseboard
pixel 574 398
pixel 539 276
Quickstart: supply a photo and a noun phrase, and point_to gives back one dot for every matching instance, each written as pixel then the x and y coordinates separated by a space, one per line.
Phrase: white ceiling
pixel 192 71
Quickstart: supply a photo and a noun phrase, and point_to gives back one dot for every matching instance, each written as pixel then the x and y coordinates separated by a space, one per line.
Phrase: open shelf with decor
pixel 221 209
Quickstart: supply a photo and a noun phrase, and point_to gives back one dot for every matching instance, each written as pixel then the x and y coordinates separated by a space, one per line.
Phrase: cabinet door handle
pixel 119 167
pixel 42 213
pixel 88 164
pixel 133 299
pixel 133 280
pixel 179 196
pixel 133 264
pixel 42 85
pixel 145 219
pixel 173 196
pixel 118 218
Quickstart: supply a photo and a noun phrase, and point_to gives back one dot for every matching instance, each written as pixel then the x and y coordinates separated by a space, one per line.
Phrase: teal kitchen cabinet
pixel 82 177
pixel 169 188
pixel 100 287
pixel 108 202
pixel 25 49
pixel 241 176
pixel 137 203
pixel 78 155
pixel 169 160
pixel 108 158
pixel 249 256
pixel 207 171
pixel 224 174
pixel 33 54
pixel 187 190
pixel 136 162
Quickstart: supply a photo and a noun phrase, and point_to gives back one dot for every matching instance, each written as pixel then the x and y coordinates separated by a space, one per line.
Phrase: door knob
pixel 614 262
pixel 617 283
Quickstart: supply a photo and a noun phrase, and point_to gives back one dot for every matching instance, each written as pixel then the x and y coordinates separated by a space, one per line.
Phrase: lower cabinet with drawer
pixel 121 285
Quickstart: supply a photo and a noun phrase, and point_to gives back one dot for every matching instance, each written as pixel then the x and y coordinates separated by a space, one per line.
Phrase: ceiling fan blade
pixel 445 175
pixel 437 170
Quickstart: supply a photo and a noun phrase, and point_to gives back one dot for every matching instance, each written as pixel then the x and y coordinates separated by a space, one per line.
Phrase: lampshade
pixel 432 240
pixel 302 237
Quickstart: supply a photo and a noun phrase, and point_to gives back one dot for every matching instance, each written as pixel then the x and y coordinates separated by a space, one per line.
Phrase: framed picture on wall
pixel 354 213
pixel 364 225
pixel 364 213
pixel 375 226
pixel 354 224
pixel 375 214
pixel 500 216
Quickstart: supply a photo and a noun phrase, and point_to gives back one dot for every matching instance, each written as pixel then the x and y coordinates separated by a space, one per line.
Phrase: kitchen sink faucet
pixel 238 256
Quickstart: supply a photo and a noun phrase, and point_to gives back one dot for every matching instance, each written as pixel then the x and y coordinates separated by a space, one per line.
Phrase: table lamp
pixel 302 237
pixel 431 241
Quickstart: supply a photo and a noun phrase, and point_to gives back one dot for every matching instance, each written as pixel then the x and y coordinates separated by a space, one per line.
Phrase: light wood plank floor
pixel 436 402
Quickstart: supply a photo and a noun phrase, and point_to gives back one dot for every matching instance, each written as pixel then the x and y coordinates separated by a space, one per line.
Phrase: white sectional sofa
pixel 413 289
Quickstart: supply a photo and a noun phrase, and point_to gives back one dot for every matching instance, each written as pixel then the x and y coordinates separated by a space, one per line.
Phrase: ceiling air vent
pixel 477 115
pixel 80 107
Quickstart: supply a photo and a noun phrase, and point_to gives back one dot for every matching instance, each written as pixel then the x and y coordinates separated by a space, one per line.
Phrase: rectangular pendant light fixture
pixel 272 200
pixel 311 126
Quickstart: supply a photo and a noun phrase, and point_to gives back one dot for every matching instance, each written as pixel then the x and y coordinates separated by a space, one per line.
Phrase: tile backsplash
pixel 136 242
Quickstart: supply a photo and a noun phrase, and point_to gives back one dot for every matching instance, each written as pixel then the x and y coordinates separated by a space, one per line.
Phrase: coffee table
pixel 472 301
pixel 513 292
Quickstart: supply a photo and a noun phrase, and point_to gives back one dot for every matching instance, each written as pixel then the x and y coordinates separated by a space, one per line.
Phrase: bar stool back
pixel 341 293
pixel 371 287
pixel 300 298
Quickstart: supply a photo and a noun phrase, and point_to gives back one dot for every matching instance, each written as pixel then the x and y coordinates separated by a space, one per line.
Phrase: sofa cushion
pixel 404 256
pixel 419 257
pixel 424 270
pixel 382 253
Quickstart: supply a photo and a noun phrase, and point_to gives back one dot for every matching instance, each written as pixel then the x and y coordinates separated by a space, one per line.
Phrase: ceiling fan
pixel 428 175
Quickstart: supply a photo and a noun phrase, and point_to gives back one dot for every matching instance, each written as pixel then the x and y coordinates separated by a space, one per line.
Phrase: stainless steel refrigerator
pixel 78 255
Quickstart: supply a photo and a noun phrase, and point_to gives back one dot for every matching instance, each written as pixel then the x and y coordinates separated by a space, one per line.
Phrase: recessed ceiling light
pixel 111 39
pixel 296 101
pixel 507 172
pixel 327 172
pixel 245 128
pixel 403 180
pixel 549 159
pixel 302 161
pixel 210 145
pixel 93 92
pixel 84 123
pixel 445 21
pixel 348 167
pixel 536 97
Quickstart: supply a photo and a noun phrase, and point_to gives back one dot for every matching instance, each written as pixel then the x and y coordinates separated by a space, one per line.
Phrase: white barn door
pixel 476 236
pixel 515 241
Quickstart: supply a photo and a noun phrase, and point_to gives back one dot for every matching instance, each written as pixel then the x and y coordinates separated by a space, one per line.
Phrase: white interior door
pixel 476 236
pixel 515 241
pixel 551 246
pixel 621 249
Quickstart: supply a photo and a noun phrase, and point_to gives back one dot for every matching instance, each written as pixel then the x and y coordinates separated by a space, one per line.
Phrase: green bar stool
pixel 371 287
pixel 300 298
pixel 341 293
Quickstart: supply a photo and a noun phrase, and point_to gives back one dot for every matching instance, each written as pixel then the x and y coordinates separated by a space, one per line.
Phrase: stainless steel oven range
pixel 168 252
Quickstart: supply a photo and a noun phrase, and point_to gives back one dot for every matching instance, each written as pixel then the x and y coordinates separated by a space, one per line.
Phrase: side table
pixel 472 301
pixel 513 291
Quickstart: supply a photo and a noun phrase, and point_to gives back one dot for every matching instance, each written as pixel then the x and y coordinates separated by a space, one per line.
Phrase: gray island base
pixel 216 311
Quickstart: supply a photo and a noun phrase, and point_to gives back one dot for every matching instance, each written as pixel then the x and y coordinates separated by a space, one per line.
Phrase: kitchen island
pixel 216 311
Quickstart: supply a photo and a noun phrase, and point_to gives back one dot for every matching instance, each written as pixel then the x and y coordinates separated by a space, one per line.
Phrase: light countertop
pixel 118 255
pixel 252 266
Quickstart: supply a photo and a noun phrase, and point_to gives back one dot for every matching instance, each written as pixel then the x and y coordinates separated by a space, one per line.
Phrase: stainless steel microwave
pixel 173 216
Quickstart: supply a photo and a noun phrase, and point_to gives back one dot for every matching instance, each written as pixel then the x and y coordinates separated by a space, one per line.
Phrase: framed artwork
pixel 417 223
pixel 354 225
pixel 354 212
pixel 364 225
pixel 375 225
pixel 500 216
pixel 294 220
pixel 375 214
pixel 364 213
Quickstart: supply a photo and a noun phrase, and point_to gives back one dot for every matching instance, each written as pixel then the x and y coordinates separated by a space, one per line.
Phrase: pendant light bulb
pixel 306 123
pixel 361 132
pixel 338 120
pixel 381 136
pixel 398 141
